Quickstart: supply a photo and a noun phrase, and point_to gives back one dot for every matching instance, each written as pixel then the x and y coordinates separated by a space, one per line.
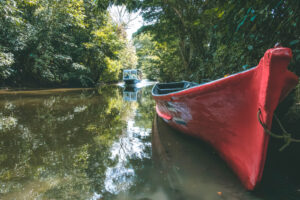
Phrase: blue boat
pixel 132 76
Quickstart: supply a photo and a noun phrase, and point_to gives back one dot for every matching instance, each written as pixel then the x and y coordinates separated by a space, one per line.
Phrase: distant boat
pixel 224 112
pixel 132 76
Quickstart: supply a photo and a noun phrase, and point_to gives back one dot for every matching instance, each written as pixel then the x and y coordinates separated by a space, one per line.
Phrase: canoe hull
pixel 224 112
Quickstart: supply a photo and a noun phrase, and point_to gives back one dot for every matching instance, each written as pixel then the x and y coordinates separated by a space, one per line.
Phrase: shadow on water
pixel 281 179
pixel 97 144
pixel 190 168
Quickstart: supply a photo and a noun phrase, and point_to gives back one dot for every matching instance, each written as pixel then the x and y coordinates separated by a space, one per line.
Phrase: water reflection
pixel 131 93
pixel 77 144
pixel 130 146
pixel 93 144
pixel 192 169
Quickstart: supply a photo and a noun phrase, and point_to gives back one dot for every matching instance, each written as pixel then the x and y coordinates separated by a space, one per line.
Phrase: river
pixel 107 143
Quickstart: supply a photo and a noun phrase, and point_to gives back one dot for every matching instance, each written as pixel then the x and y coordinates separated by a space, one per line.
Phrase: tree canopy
pixel 59 43
pixel 77 43
pixel 208 39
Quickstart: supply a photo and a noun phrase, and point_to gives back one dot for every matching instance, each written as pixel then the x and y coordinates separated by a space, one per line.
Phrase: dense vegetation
pixel 196 40
pixel 59 43
pixel 76 43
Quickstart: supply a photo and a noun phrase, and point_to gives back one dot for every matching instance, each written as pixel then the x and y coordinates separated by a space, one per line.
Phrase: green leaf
pixel 294 42
pixel 253 18
pixel 298 57
pixel 221 14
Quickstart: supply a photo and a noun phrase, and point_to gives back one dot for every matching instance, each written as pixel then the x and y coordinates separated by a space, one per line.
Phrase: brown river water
pixel 108 143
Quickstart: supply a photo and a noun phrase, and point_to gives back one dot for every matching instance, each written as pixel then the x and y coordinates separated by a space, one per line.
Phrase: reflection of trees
pixel 146 109
pixel 134 153
pixel 60 142
pixel 40 148
pixel 62 145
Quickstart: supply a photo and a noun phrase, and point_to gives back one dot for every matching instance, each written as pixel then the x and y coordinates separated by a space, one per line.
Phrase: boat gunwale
pixel 199 85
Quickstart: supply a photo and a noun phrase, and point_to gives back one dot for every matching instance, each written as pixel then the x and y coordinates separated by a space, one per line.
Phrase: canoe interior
pixel 166 88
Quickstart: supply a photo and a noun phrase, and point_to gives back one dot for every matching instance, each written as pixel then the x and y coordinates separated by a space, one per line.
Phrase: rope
pixel 287 137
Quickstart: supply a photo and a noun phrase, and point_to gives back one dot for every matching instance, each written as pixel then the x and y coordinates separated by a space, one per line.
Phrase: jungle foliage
pixel 196 40
pixel 75 43
pixel 59 43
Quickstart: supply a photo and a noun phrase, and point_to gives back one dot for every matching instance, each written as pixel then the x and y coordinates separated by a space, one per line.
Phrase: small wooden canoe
pixel 224 112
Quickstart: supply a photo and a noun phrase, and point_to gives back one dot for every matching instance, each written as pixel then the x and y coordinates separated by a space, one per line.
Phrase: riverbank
pixel 39 91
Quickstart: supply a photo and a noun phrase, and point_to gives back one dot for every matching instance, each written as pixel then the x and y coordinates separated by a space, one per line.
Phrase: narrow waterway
pixel 108 143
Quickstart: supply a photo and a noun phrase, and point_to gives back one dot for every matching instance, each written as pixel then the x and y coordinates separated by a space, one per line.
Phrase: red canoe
pixel 224 112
